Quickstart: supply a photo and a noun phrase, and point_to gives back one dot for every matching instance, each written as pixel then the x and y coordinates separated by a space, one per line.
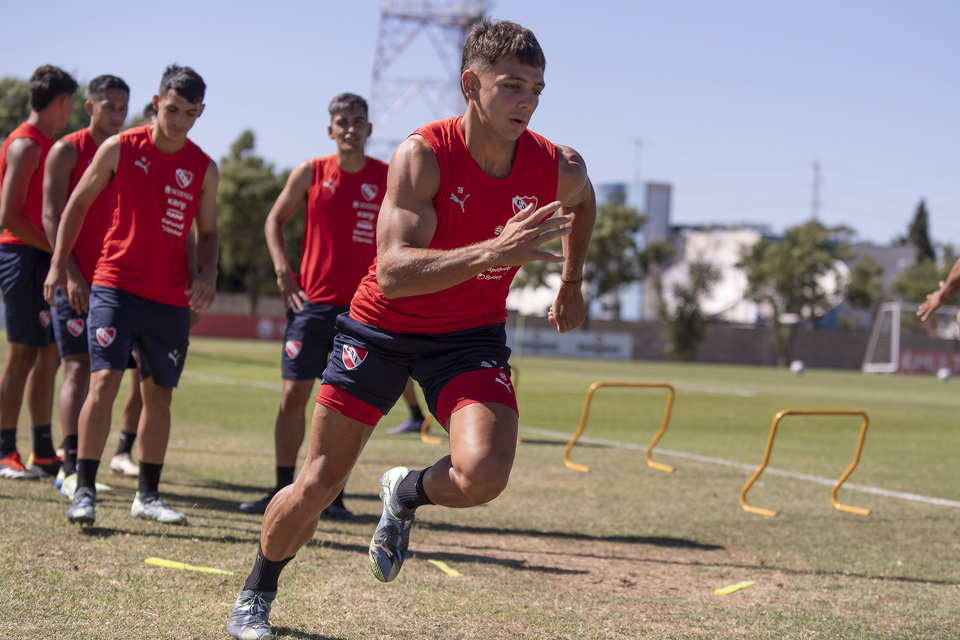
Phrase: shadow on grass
pixel 287 632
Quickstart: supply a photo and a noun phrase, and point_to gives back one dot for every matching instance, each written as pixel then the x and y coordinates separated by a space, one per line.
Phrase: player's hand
pixel 291 293
pixel 523 235
pixel 202 291
pixel 55 278
pixel 568 310
pixel 933 302
pixel 78 294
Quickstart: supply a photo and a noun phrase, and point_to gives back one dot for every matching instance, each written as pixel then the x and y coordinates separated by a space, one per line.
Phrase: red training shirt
pixel 33 205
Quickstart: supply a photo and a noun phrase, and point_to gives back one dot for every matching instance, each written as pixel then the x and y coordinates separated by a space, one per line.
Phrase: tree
pixel 785 279
pixel 684 326
pixel 15 107
pixel 919 234
pixel 248 188
pixel 916 281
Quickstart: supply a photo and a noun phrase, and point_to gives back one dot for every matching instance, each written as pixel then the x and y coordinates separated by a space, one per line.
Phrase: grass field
pixel 623 551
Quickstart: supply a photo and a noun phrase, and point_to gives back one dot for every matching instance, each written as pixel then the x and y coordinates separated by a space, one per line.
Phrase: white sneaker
pixel 150 506
pixel 68 485
pixel 123 464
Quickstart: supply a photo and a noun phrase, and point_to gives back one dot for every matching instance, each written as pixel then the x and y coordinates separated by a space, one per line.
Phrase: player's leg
pixel 415 421
pixel 40 389
pixel 13 381
pixel 73 390
pixel 122 461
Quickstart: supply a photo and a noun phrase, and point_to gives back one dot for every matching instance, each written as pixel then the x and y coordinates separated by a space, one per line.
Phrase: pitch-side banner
pixel 576 344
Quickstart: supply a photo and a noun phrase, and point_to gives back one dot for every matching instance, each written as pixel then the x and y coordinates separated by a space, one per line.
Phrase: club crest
pixel 75 326
pixel 369 191
pixel 105 336
pixel 45 318
pixel 184 178
pixel 522 202
pixel 352 356
pixel 292 348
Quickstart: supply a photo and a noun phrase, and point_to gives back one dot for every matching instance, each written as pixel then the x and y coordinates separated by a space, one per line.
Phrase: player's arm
pixel 100 172
pixel 948 288
pixel 576 193
pixel 23 160
pixel 56 189
pixel 203 287
pixel 407 222
pixel 289 200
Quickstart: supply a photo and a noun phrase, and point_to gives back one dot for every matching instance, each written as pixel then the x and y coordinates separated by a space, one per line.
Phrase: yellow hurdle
pixel 833 494
pixel 425 427
pixel 586 411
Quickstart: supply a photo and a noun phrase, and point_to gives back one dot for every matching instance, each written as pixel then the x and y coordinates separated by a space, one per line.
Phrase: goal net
pixel 900 342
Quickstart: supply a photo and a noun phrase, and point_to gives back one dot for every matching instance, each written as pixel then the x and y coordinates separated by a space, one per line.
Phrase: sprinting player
pixel 343 193
pixel 948 289
pixel 469 200
pixel 415 421
pixel 142 288
pixel 32 358
pixel 107 100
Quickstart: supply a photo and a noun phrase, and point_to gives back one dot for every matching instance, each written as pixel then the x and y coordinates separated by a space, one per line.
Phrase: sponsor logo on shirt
pixel 105 336
pixel 143 163
pixel 75 326
pixel 352 356
pixel 460 201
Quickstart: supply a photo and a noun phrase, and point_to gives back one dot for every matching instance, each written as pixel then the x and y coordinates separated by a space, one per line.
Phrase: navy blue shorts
pixel 308 340
pixel 119 320
pixel 22 272
pixel 372 365
pixel 69 327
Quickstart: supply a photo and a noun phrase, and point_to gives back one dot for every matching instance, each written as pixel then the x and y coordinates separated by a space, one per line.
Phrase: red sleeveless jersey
pixel 340 235
pixel 89 243
pixel 144 251
pixel 33 205
pixel 471 207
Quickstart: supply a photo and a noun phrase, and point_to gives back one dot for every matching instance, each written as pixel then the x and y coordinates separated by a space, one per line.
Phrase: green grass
pixel 620 552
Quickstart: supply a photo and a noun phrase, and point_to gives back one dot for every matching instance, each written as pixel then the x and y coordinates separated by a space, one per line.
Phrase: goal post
pixel 900 342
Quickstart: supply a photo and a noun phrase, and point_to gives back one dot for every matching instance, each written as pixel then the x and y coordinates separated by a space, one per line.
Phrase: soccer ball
pixel 797 367
pixel 943 374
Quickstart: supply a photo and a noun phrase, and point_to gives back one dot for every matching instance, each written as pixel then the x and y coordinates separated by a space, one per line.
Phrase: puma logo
pixel 459 201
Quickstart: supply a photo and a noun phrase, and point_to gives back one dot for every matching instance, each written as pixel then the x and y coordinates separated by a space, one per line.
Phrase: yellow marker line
pixel 172 564
pixel 734 587
pixel 443 566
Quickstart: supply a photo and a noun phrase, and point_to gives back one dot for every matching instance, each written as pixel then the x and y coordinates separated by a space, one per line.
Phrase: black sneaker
pixel 259 506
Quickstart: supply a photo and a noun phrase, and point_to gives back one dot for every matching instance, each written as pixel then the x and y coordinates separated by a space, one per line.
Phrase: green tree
pixel 784 278
pixel 15 107
pixel 916 281
pixel 685 325
pixel 248 188
pixel 919 234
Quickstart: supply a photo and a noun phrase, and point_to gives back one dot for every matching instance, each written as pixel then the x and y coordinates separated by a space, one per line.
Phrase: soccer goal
pixel 900 342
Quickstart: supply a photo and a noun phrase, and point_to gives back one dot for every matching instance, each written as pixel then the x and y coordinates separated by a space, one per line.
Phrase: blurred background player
pixel 32 358
pixel 343 193
pixel 143 289
pixel 107 100
pixel 415 421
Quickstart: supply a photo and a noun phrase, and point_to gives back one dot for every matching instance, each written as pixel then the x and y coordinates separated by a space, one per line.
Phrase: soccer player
pixel 32 358
pixel 107 100
pixel 142 289
pixel 469 200
pixel 343 193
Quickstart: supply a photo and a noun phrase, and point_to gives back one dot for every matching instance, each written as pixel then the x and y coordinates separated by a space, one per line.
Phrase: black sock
pixel 42 441
pixel 338 501
pixel 416 413
pixel 126 442
pixel 284 477
pixel 8 442
pixel 70 455
pixel 87 473
pixel 149 480
pixel 410 492
pixel 265 573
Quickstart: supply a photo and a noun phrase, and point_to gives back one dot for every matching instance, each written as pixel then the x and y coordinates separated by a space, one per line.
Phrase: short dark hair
pixel 490 41
pixel 101 83
pixel 47 84
pixel 348 102
pixel 185 81
pixel 149 112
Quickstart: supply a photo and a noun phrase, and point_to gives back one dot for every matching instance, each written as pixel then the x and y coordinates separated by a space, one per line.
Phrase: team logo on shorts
pixel 522 202
pixel 105 336
pixel 184 178
pixel 504 379
pixel 369 191
pixel 45 318
pixel 75 326
pixel 352 357
pixel 292 348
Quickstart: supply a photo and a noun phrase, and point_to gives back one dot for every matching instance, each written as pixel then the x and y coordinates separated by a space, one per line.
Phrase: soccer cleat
pixel 12 468
pixel 338 512
pixel 250 617
pixel 123 464
pixel 258 506
pixel 68 485
pixel 82 509
pixel 388 548
pixel 410 425
pixel 43 467
pixel 150 506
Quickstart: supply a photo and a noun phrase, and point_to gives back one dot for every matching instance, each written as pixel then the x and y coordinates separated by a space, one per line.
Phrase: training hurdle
pixel 425 427
pixel 833 494
pixel 586 411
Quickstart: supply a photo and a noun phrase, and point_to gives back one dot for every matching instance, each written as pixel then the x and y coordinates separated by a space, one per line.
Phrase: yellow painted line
pixel 734 587
pixel 443 566
pixel 173 564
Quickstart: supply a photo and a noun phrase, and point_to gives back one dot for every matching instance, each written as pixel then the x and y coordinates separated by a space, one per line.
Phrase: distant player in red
pixel 107 100
pixel 343 193
pixel 469 200
pixel 32 358
pixel 143 288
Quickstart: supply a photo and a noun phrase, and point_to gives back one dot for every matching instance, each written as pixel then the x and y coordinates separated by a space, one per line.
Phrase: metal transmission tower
pixel 395 82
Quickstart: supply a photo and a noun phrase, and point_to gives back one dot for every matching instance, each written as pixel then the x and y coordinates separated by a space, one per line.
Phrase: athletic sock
pixel 70 454
pixel 284 477
pixel 265 574
pixel 42 441
pixel 87 473
pixel 416 413
pixel 8 442
pixel 338 501
pixel 410 491
pixel 126 442
pixel 149 479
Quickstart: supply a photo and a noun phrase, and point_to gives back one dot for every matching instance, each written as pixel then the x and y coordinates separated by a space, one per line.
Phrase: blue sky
pixel 731 102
